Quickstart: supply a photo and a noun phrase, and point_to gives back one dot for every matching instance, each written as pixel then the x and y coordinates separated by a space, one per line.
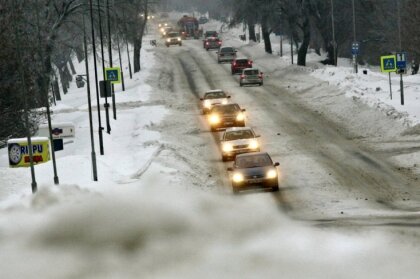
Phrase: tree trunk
pixel 251 30
pixel 266 37
pixel 73 70
pixel 303 50
pixel 136 55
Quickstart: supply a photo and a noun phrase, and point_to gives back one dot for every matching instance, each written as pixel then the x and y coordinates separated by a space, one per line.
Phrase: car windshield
pixel 173 35
pixel 232 108
pixel 214 95
pixel 211 34
pixel 253 161
pixel 251 72
pixel 227 49
pixel 242 61
pixel 241 134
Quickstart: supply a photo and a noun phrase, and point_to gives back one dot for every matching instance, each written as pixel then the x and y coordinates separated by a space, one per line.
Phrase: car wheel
pixel 224 158
pixel 167 45
pixel 261 83
pixel 275 188
pixel 241 84
pixel 213 129
pixel 180 44
pixel 235 190
pixel 207 49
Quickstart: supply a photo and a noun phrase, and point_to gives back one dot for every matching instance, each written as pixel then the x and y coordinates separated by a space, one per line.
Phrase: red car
pixel 238 64
pixel 212 43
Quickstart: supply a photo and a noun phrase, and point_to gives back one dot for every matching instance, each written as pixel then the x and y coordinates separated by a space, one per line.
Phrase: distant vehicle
pixel 251 76
pixel 238 140
pixel 188 27
pixel 165 30
pixel 238 64
pixel 203 20
pixel 173 38
pixel 212 98
pixel 226 54
pixel 254 170
pixel 212 43
pixel 162 24
pixel 223 116
pixel 211 34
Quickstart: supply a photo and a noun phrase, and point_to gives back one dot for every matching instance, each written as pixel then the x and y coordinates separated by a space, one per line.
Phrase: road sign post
pixel 355 52
pixel 402 66
pixel 388 65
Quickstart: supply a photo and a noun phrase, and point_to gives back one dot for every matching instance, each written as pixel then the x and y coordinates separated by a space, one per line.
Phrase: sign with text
pixel 19 151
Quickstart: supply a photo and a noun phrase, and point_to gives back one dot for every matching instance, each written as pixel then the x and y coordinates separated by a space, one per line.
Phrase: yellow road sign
pixel 19 151
pixel 388 63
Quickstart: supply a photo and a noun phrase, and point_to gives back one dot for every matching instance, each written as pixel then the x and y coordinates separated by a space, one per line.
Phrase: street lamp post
pixel 100 128
pixel 354 37
pixel 400 45
pixel 333 35
pixel 108 125
pixel 114 108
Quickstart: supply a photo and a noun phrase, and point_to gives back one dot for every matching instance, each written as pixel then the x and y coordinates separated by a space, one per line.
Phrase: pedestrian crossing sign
pixel 388 63
pixel 113 74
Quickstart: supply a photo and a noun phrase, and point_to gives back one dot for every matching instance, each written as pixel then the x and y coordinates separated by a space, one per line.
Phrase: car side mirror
pixel 261 73
pixel 229 169
pixel 228 96
pixel 258 136
pixel 276 164
pixel 201 99
pixel 243 109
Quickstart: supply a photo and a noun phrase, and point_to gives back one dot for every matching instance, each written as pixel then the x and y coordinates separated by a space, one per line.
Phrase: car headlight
pixel 224 101
pixel 179 39
pixel 227 147
pixel 160 25
pixel 164 33
pixel 240 117
pixel 237 177
pixel 271 174
pixel 254 144
pixel 207 103
pixel 214 119
pixel 161 30
pixel 168 40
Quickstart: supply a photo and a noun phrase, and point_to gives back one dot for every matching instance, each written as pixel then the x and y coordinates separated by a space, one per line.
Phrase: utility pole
pixel 128 50
pixel 47 103
pixel 92 141
pixel 114 108
pixel 400 45
pixel 108 125
pixel 119 57
pixel 25 98
pixel 100 128
pixel 333 35
pixel 354 36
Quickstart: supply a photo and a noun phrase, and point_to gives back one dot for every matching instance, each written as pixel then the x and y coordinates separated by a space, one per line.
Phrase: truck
pixel 188 27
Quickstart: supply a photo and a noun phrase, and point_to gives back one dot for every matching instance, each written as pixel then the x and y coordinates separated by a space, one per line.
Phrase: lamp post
pixel 114 109
pixel 354 36
pixel 400 46
pixel 333 35
pixel 25 98
pixel 92 142
pixel 108 125
pixel 100 128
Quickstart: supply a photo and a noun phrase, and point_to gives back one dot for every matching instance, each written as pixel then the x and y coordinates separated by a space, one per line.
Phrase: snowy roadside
pixel 142 220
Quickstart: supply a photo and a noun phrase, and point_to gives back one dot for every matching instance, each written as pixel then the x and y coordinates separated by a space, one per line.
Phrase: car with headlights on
pixel 173 38
pixel 251 76
pixel 212 43
pixel 238 64
pixel 238 140
pixel 223 116
pixel 226 54
pixel 212 98
pixel 254 170
pixel 165 30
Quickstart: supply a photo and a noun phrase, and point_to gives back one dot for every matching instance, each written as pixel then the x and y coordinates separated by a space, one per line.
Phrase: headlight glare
pixel 237 177
pixel 227 147
pixel 214 119
pixel 254 144
pixel 240 117
pixel 168 40
pixel 224 101
pixel 207 103
pixel 179 39
pixel 272 174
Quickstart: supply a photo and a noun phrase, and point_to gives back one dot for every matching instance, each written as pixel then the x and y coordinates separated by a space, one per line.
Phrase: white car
pixel 238 140
pixel 226 54
pixel 251 76
pixel 212 98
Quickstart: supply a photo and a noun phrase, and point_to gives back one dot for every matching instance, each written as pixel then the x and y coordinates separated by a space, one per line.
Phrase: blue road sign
pixel 355 48
pixel 401 58
pixel 388 63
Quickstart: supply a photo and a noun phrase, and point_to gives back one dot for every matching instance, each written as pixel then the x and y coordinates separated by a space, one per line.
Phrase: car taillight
pixel 242 76
pixel 219 43
pixel 260 75
pixel 207 43
pixel 234 63
pixel 249 62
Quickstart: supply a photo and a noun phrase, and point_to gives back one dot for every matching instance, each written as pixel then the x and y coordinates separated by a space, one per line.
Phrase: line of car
pixel 251 167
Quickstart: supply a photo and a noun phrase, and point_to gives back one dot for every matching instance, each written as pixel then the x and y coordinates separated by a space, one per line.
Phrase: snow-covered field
pixel 146 218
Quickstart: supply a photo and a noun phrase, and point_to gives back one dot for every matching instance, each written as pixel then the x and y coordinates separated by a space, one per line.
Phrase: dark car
pixel 252 170
pixel 212 43
pixel 238 64
pixel 211 34
pixel 230 115
pixel 203 20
